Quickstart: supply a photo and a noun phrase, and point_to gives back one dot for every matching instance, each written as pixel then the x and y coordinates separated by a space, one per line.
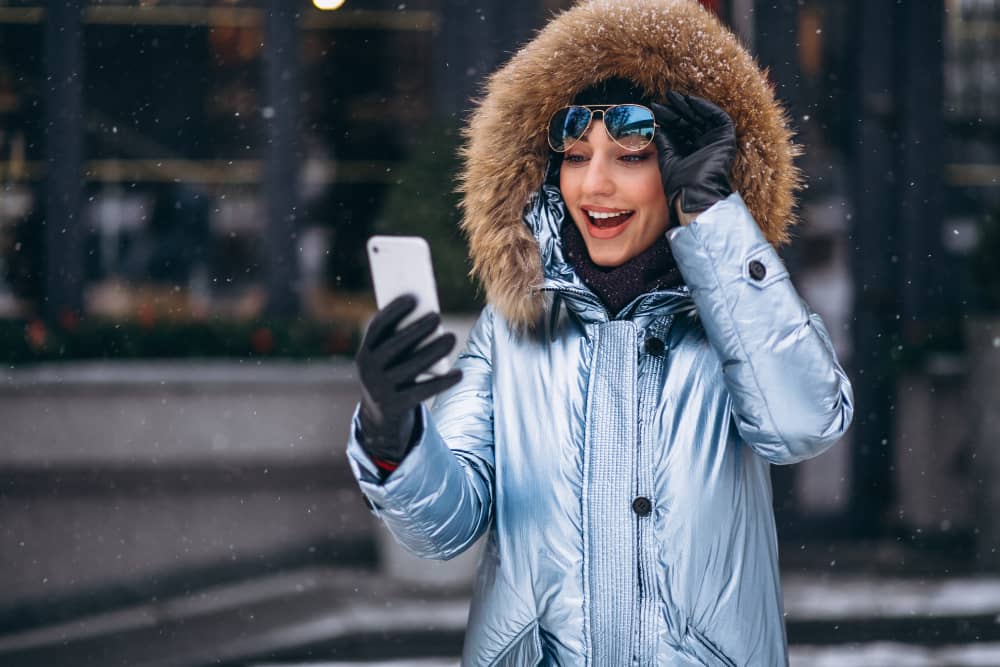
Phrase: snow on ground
pixel 423 662
pixel 888 654
pixel 879 654
pixel 816 598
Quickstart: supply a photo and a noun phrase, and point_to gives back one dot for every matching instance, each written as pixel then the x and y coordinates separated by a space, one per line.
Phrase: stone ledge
pixel 140 414
pixel 176 376
pixel 145 479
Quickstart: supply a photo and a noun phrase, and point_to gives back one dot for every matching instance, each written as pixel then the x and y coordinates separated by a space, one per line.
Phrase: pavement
pixel 350 616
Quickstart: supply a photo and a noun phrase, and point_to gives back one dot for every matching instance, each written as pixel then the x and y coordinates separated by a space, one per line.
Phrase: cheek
pixel 569 186
pixel 566 184
pixel 653 197
pixel 649 190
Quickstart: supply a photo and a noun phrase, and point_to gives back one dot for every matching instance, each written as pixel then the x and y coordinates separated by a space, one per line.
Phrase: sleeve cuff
pixel 724 247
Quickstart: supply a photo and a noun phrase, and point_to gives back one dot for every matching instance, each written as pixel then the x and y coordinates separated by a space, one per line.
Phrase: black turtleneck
pixel 652 269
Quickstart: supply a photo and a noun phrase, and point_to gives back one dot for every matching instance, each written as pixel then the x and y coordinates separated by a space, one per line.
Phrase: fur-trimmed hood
pixel 660 45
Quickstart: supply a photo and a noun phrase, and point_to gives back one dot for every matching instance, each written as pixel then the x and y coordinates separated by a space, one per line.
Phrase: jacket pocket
pixel 705 649
pixel 525 650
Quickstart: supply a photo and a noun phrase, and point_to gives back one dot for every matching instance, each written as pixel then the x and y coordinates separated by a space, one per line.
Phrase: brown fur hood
pixel 660 45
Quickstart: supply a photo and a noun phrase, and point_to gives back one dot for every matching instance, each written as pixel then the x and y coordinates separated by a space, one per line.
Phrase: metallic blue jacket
pixel 620 465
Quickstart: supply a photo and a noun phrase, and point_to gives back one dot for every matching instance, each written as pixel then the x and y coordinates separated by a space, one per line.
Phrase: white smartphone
pixel 402 265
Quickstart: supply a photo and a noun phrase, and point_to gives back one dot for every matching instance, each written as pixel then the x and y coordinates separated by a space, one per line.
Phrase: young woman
pixel 642 362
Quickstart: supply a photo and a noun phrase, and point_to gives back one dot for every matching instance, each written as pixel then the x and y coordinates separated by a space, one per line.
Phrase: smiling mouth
pixel 608 220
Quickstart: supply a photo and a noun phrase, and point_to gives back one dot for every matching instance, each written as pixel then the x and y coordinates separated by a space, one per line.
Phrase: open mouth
pixel 608 220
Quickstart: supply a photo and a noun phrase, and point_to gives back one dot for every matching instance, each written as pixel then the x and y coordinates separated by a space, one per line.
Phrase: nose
pixel 597 180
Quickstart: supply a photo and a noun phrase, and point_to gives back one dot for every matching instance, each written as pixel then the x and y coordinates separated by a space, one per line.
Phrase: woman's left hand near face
pixel 696 145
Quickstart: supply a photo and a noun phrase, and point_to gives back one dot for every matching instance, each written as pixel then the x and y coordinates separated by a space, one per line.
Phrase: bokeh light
pixel 327 5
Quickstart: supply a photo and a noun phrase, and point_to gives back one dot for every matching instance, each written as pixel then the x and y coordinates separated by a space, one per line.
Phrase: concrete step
pixel 888 654
pixel 349 614
pixel 117 476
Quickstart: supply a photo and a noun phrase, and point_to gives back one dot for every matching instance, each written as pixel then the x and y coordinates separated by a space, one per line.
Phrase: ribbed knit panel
pixel 650 384
pixel 610 522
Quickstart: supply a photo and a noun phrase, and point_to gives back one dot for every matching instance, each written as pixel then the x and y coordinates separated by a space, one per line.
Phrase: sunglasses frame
pixel 603 110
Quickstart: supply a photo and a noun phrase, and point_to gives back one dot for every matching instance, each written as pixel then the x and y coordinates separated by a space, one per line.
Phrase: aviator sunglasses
pixel 631 126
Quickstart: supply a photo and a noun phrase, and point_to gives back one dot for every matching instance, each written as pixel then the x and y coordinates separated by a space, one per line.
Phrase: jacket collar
pixel 544 217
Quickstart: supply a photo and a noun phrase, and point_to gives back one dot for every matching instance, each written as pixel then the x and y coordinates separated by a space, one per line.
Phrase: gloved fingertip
pixel 667 116
pixel 447 341
pixel 408 301
pixel 428 318
pixel 708 109
pixel 694 100
pixel 396 309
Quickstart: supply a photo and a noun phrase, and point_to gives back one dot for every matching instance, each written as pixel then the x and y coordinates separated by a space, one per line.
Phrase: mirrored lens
pixel 567 126
pixel 630 126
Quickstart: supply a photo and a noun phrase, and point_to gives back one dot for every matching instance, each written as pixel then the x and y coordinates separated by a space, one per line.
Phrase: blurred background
pixel 185 191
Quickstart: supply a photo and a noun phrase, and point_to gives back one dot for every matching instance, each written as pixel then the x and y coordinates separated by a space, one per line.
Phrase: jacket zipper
pixel 587 296
pixel 668 322
pixel 590 298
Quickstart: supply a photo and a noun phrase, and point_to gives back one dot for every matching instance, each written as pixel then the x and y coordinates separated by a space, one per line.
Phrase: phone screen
pixel 402 265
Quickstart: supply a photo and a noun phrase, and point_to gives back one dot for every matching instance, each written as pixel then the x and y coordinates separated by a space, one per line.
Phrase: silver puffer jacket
pixel 620 466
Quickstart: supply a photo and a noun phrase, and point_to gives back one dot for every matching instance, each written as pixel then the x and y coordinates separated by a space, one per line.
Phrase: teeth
pixel 605 216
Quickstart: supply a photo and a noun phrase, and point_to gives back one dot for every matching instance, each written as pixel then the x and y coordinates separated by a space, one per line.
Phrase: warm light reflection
pixel 328 4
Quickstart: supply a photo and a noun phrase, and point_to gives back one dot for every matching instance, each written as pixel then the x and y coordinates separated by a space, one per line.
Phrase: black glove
pixel 389 361
pixel 696 145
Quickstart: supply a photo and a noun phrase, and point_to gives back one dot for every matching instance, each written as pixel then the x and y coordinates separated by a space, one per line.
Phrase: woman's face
pixel 614 196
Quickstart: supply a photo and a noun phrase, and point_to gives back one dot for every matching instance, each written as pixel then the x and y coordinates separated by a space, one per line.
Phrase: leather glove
pixel 389 361
pixel 696 145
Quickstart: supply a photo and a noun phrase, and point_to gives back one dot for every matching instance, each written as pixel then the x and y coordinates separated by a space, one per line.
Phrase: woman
pixel 641 362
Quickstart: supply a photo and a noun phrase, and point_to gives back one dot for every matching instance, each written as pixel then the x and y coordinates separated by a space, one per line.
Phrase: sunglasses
pixel 631 126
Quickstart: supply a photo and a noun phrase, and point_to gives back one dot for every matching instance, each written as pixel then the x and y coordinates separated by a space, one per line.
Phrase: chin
pixel 607 259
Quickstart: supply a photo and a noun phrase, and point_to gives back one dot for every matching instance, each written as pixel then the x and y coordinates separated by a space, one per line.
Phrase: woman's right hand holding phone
pixel 389 362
